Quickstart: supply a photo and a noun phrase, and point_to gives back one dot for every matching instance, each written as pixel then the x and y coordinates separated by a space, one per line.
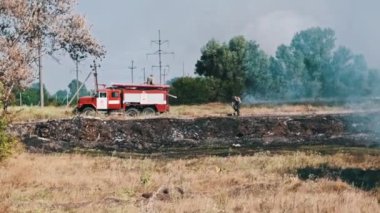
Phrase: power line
pixel 144 79
pixel 132 68
pixel 94 68
pixel 160 52
pixel 165 73
pixel 42 101
pixel 77 75
pixel 183 69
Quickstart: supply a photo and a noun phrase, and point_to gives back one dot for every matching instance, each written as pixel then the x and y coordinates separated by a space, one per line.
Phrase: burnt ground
pixel 365 179
pixel 166 134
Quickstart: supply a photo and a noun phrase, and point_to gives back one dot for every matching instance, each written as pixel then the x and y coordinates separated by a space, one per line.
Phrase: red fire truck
pixel 129 98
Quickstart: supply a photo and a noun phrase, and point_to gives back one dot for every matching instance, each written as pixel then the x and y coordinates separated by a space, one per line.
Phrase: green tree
pixel 334 82
pixel 73 88
pixel 236 75
pixel 356 77
pixel 61 97
pixel 191 90
pixel 310 67
pixel 315 46
pixel 288 73
pixel 278 86
pixel 258 79
pixel 224 63
pixel 348 75
pixel 30 96
pixel 373 82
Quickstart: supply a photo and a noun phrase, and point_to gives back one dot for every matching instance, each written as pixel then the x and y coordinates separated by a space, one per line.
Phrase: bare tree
pixel 44 26
pixel 14 70
pixel 15 57
pixel 77 40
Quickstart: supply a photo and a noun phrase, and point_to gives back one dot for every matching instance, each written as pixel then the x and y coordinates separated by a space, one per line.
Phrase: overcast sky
pixel 126 28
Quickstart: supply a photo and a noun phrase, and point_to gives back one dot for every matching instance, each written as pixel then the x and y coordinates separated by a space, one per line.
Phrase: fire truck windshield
pixel 102 95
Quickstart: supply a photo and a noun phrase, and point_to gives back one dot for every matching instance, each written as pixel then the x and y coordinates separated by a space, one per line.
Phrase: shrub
pixel 194 90
pixel 7 142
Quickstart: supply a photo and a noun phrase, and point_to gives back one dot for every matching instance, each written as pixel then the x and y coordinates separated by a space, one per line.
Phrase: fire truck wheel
pixel 89 111
pixel 132 112
pixel 148 111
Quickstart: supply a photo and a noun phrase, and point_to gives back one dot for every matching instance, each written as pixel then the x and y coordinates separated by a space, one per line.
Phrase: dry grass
pixel 259 183
pixel 26 113
pixel 21 114
pixel 219 109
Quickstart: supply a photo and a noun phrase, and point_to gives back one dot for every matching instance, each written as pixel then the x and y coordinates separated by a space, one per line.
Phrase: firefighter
pixel 149 80
pixel 236 105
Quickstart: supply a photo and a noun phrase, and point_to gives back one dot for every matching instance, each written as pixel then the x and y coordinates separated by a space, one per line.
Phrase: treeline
pixel 31 95
pixel 311 67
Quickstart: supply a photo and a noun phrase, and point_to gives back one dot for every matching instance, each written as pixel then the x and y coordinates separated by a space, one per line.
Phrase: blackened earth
pixel 160 134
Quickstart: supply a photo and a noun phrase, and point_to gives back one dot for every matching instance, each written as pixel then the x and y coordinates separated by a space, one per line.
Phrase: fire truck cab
pixel 129 98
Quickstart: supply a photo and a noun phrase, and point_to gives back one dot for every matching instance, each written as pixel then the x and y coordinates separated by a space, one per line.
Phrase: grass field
pixel 263 182
pixel 19 114
pixel 31 113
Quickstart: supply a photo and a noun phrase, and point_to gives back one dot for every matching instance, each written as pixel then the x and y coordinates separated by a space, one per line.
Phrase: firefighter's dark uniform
pixel 150 80
pixel 236 105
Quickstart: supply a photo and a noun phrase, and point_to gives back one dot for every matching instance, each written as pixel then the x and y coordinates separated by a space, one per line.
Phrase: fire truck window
pixel 115 94
pixel 102 95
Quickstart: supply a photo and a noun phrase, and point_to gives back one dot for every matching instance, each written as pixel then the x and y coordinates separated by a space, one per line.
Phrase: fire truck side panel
pixel 132 98
pixel 145 98
pixel 156 98
pixel 153 98
pixel 114 99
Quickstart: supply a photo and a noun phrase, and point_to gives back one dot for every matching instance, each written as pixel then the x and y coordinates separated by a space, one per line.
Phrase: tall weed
pixel 7 142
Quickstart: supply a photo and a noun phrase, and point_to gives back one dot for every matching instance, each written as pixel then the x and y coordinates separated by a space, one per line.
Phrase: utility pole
pixel 144 75
pixel 88 76
pixel 132 68
pixel 77 75
pixel 183 69
pixel 39 61
pixel 165 73
pixel 160 52
pixel 94 68
pixel 42 103
pixel 20 99
pixel 162 73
